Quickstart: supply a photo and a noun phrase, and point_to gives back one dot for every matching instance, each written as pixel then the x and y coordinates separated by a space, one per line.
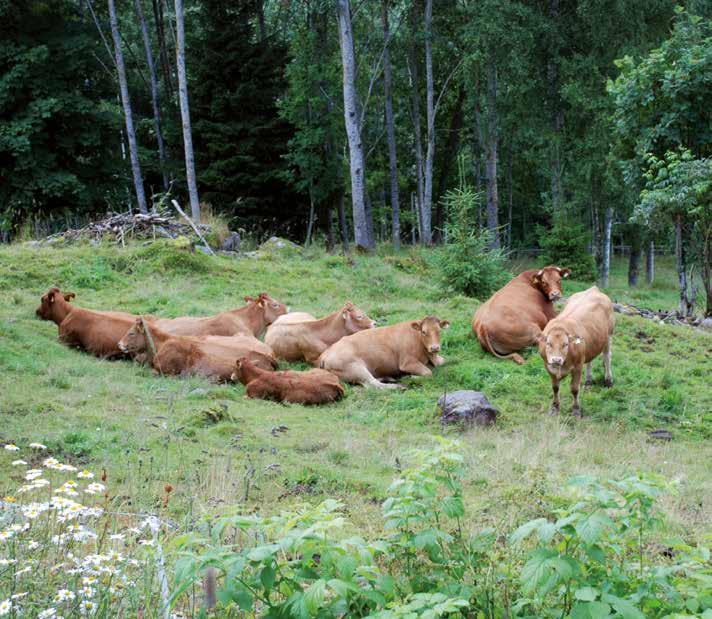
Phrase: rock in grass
pixel 467 408
pixel 231 243
pixel 660 435
pixel 707 323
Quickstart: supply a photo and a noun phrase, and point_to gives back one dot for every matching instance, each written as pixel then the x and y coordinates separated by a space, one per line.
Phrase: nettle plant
pixel 589 560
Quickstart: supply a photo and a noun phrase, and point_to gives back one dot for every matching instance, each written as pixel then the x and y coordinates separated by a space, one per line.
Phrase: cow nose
pixel 556 361
pixel 434 348
pixel 373 324
pixel 554 295
pixel 122 347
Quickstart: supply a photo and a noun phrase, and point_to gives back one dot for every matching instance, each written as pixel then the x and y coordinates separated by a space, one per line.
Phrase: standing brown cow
pixel 404 348
pixel 93 331
pixel 582 331
pixel 514 316
pixel 252 319
pixel 294 340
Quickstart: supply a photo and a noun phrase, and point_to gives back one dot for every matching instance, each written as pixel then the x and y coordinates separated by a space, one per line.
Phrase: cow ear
pixel 444 324
pixel 248 299
pixel 50 296
pixel 415 325
pixel 541 338
pixel 565 273
pixel 536 279
pixel 69 296
pixel 139 324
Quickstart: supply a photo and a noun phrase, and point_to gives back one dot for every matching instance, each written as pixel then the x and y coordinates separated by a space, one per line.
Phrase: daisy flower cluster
pixel 63 553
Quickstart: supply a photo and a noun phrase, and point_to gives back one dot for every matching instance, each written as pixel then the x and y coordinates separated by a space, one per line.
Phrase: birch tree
pixel 390 129
pixel 128 114
pixel 185 113
pixel 427 207
pixel 362 237
pixel 154 93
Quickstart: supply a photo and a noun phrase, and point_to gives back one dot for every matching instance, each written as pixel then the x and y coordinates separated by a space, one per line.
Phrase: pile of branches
pixel 123 226
pixel 661 316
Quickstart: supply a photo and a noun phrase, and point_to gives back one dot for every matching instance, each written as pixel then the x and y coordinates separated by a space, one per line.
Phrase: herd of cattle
pixel 345 345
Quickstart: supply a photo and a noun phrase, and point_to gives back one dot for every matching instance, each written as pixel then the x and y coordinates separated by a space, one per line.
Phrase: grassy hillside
pixel 217 448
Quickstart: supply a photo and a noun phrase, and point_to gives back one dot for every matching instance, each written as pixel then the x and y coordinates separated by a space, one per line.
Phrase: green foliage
pixel 590 560
pixel 566 244
pixel 465 263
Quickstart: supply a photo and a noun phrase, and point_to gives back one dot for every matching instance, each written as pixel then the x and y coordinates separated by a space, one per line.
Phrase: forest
pixel 565 127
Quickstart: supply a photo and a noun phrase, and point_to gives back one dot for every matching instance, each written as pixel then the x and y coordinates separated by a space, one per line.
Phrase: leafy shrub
pixel 566 245
pixel 465 262
pixel 591 557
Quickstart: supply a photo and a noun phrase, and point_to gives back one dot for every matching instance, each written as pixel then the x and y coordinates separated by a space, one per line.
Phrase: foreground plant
pixel 63 553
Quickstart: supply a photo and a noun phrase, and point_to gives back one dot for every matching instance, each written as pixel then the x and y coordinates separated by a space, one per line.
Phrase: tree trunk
pixel 154 93
pixel 557 115
pixel 343 224
pixel 162 51
pixel 449 155
pixel 415 114
pixel 607 229
pixel 511 198
pixel 390 130
pixel 650 263
pixel 185 114
pixel 416 218
pixel 261 19
pixel 634 260
pixel 427 206
pixel 330 232
pixel 353 131
pixel 128 115
pixel 687 301
pixel 489 141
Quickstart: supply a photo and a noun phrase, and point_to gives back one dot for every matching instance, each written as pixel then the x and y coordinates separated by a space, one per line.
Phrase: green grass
pixel 148 431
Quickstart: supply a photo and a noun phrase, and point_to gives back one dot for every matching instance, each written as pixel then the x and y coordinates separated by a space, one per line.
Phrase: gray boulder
pixel 232 242
pixel 466 407
pixel 707 323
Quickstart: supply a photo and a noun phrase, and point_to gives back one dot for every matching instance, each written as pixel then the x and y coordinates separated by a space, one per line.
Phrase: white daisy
pixel 38 446
pixel 19 463
pixel 5 607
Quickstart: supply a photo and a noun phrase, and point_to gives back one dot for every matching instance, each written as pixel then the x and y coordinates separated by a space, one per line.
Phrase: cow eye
pixel 359 317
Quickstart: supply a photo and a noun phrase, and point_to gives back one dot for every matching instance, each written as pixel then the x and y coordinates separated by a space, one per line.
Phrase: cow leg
pixel 415 367
pixel 555 404
pixel 589 375
pixel 608 380
pixel 358 373
pixel 575 386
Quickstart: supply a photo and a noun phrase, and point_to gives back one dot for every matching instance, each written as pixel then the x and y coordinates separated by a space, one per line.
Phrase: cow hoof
pixel 608 383
pixel 554 410
pixel 518 359
pixel 576 412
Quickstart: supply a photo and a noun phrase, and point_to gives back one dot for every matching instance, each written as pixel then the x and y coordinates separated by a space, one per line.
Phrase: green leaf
pixel 537 569
pixel 590 610
pixel 244 599
pixel 262 552
pixel 267 576
pixel 590 528
pixel 586 594
pixel 526 530
pixel 624 608
pixel 314 596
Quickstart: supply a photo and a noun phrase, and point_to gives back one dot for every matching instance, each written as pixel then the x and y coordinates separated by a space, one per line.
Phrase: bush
pixel 566 245
pixel 465 263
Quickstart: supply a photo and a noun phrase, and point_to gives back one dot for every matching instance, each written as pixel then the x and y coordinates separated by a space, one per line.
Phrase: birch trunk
pixel 427 206
pixel 154 93
pixel 185 114
pixel 390 130
pixel 343 224
pixel 162 52
pixel 557 116
pixel 650 263
pixel 415 113
pixel 353 132
pixel 687 303
pixel 634 259
pixel 128 115
pixel 607 228
pixel 488 132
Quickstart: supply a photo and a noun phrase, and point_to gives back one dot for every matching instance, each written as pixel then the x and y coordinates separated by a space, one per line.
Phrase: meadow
pixel 219 451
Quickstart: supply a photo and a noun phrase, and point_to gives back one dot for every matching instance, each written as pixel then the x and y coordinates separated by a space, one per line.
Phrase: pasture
pixel 217 449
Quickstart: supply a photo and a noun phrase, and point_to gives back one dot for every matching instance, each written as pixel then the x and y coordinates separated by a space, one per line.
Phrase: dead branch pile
pixel 661 316
pixel 124 226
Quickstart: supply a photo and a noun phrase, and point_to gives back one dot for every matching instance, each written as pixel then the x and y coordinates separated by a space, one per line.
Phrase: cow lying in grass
pixel 294 337
pixel 514 316
pixel 311 387
pixel 582 331
pixel 95 332
pixel 210 356
pixel 404 348
pixel 252 319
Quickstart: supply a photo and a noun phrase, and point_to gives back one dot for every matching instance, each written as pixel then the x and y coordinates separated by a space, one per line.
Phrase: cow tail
pixel 491 349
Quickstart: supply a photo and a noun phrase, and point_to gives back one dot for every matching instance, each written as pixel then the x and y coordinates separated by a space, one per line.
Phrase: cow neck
pixel 61 309
pixel 329 323
pixel 155 338
pixel 253 315
pixel 249 372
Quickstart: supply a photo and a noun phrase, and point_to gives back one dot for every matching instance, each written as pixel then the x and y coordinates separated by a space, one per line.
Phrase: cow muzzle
pixel 434 348
pixel 556 361
pixel 123 347
pixel 553 296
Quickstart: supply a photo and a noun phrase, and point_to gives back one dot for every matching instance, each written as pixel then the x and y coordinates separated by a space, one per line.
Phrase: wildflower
pixel 33 474
pixel 117 537
pixel 24 570
pixel 64 595
pixel 152 523
pixel 11 447
pixel 38 446
pixel 6 562
pixel 47 614
pixel 19 463
pixel 88 580
pixel 85 474
pixel 94 487
pixel 5 607
pixel 18 596
pixel 32 545
pixel 86 607
pixel 65 467
pixel 50 462
pixel 9 499
pixel 147 542
pixel 5 535
pixel 86 592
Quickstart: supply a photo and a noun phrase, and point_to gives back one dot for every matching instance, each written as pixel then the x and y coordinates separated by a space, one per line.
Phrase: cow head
pixel 236 376
pixel 548 281
pixel 50 304
pixel 429 329
pixel 271 307
pixel 355 319
pixel 556 345
pixel 134 340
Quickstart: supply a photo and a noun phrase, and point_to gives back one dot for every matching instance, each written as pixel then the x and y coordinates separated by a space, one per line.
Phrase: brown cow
pixel 211 356
pixel 252 319
pixel 295 340
pixel 514 316
pixel 582 331
pixel 93 331
pixel 311 387
pixel 404 348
